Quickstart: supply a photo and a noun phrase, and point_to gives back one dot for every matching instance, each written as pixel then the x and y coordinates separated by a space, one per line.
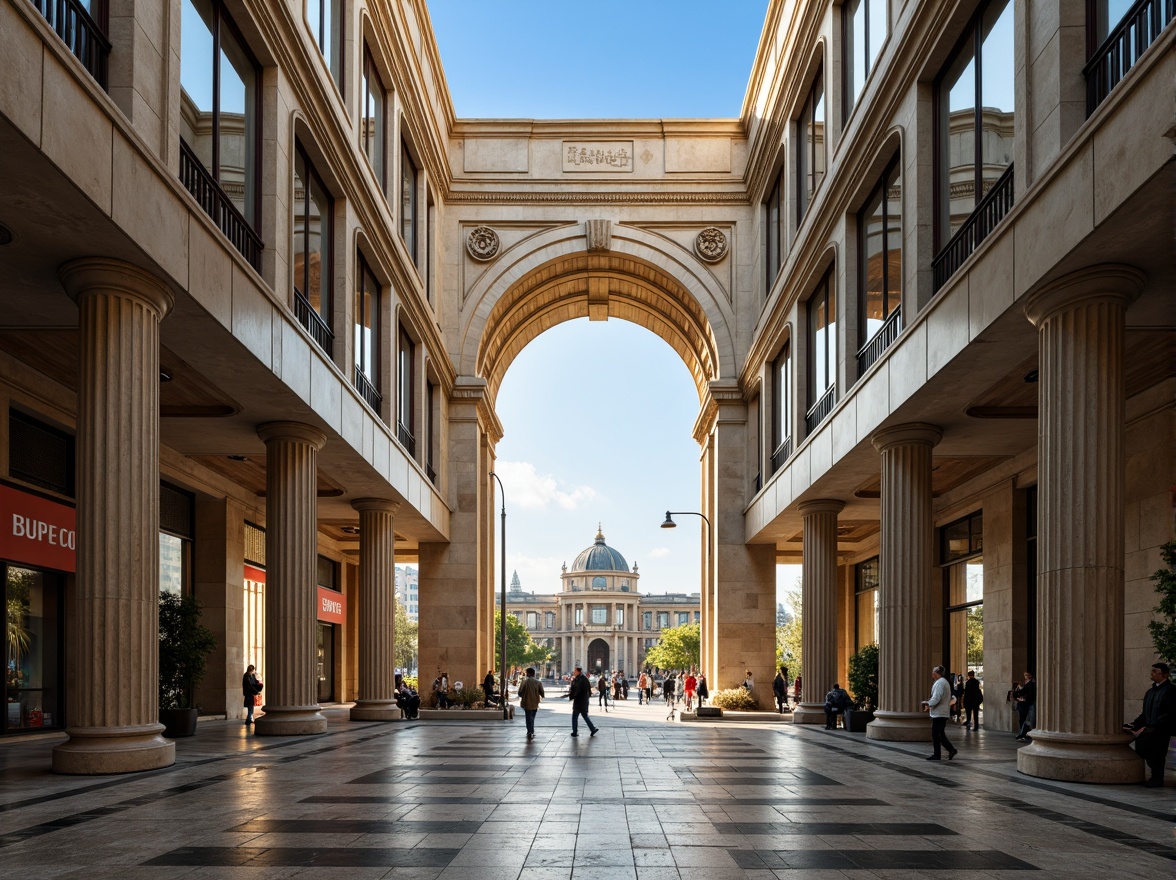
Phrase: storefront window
pixel 961 543
pixel 866 577
pixel 325 650
pixel 32 602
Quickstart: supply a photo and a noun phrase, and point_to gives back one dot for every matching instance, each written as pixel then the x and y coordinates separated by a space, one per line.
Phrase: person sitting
pixel 441 690
pixel 489 689
pixel 836 702
pixel 407 699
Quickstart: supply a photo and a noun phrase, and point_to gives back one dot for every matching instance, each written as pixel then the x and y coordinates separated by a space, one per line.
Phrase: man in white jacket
pixel 939 706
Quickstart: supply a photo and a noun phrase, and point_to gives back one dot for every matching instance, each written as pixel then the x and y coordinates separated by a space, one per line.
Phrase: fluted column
pixel 905 589
pixel 1080 321
pixel 291 697
pixel 377 591
pixel 819 604
pixel 112 707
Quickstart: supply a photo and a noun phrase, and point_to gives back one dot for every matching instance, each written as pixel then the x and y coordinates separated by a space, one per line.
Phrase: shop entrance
pixel 325 649
pixel 32 602
pixel 598 656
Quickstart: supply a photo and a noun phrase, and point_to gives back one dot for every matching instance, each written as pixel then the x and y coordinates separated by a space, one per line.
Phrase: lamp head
pixel 669 523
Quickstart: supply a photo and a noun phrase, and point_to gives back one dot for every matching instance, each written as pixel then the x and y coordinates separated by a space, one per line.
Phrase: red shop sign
pixel 332 606
pixel 37 531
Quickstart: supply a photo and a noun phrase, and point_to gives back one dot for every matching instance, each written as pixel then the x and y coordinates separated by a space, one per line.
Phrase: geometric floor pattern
pixel 642 800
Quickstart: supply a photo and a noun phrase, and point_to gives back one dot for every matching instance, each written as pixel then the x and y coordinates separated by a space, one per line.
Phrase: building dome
pixel 600 557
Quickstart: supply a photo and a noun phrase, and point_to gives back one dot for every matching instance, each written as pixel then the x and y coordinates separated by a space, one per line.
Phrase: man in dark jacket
pixel 780 689
pixel 836 702
pixel 1026 700
pixel 1155 725
pixel 489 690
pixel 580 692
pixel 973 699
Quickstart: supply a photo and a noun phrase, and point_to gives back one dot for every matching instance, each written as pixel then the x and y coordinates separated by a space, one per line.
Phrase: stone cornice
pixel 496 197
pixel 725 402
pixel 473 389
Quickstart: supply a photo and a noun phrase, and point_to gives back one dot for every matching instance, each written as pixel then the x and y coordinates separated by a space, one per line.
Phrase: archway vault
pixel 597 286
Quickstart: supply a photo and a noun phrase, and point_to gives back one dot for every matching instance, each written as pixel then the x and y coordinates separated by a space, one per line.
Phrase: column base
pixel 100 750
pixel 900 727
pixel 290 721
pixel 809 713
pixel 1075 757
pixel 376 710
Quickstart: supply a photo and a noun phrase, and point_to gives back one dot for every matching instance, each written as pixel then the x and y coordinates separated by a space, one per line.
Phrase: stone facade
pixel 861 250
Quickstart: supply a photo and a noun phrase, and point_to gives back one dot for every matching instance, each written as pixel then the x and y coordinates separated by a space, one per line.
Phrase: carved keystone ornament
pixel 482 243
pixel 711 244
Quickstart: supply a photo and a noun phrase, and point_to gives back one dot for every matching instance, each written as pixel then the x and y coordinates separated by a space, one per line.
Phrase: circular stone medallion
pixel 482 243
pixel 711 244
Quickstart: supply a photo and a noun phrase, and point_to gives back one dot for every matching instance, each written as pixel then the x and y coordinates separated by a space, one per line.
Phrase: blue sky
pixel 598 416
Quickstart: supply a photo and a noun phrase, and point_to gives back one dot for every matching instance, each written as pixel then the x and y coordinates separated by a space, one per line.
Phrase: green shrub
pixel 863 677
pixel 739 699
pixel 1163 628
pixel 467 697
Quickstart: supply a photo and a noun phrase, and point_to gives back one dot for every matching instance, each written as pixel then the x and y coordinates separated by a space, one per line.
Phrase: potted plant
pixel 184 645
pixel 863 684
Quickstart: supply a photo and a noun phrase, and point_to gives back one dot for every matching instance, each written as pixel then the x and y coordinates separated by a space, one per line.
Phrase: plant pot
pixel 178 722
pixel 857 719
pixel 709 712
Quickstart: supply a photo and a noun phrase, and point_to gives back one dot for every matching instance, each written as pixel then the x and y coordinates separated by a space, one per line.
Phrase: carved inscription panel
pixel 597 156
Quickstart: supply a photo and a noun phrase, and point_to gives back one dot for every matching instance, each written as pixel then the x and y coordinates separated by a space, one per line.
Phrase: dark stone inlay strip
pixel 304 857
pixel 355 826
pixel 907 829
pixel 635 801
pixel 879 860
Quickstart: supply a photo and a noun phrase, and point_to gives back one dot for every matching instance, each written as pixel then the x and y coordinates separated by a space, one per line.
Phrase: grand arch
pixel 632 274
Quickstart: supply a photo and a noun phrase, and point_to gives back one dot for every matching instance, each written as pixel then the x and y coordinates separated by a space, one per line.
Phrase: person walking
pixel 530 693
pixel 973 699
pixel 1155 725
pixel 580 693
pixel 691 687
pixel 796 691
pixel 836 702
pixel 602 691
pixel 642 684
pixel 780 689
pixel 250 688
pixel 1026 699
pixel 703 690
pixel 939 707
pixel 668 688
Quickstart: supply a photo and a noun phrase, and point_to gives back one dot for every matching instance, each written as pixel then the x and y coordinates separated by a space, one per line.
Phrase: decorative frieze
pixel 482 243
pixel 579 156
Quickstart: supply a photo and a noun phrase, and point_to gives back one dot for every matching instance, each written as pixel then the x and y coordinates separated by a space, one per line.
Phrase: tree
pixel 783 615
pixel 1163 631
pixel 863 677
pixel 404 644
pixel 788 651
pixel 521 649
pixel 678 648
pixel 184 646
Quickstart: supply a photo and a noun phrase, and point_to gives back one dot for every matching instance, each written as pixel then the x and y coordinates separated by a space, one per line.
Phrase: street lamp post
pixel 502 613
pixel 670 524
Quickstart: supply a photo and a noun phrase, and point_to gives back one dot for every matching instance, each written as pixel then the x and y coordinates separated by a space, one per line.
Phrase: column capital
pixel 1104 281
pixel 308 434
pixel 90 275
pixel 821 505
pixel 910 433
pixel 381 505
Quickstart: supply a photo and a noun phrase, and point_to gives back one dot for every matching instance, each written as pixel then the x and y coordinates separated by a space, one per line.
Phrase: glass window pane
pixel 958 138
pixel 31 668
pixel 817 135
pixel 408 181
pixel 855 49
pixel 300 230
pixel 893 242
pixel 238 86
pixel 171 564
pixel 867 613
pixel 196 55
pixel 873 264
pixel 319 234
pixel 997 93
pixel 877 30
pixel 373 121
pixel 1107 15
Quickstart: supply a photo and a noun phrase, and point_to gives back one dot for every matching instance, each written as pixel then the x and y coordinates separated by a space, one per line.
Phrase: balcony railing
pixel 821 410
pixel 366 389
pixel 405 437
pixel 79 32
pixel 1140 27
pixel 218 205
pixel 313 322
pixel 781 453
pixel 880 341
pixel 997 202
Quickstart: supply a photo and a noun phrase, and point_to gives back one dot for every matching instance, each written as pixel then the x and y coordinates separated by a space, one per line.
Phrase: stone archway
pixel 598 657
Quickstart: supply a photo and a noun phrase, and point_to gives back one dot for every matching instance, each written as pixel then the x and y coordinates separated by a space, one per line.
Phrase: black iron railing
pixel 218 205
pixel 997 202
pixel 313 322
pixel 79 32
pixel 821 410
pixel 880 341
pixel 1140 27
pixel 366 389
pixel 405 437
pixel 781 454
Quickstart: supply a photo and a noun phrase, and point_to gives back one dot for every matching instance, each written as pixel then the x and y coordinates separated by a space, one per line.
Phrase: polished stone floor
pixel 644 800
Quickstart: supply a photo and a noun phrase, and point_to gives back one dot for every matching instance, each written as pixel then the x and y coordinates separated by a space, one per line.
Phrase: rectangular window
pixel 863 32
pixel 219 122
pixel 822 352
pixel 313 213
pixel 549 620
pixel 663 620
pixel 810 146
pixel 374 126
pixel 782 407
pixel 325 18
pixel 39 454
pixel 647 620
pixel 880 268
pixel 683 617
pixel 620 615
pixel 599 615
pixel 328 573
pixel 431 438
pixel 176 517
pixel 532 620
pixel 33 636
pixel 406 396
pixel 367 334
pixel 962 538
pixel 408 201
pixel 866 580
pixel 430 239
pixel 975 112
pixel 774 231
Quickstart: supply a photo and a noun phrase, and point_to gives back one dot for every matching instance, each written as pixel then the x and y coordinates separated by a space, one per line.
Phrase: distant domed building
pixel 598 619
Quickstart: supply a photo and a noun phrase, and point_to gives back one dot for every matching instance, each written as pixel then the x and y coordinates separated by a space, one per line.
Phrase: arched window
pixel 599 583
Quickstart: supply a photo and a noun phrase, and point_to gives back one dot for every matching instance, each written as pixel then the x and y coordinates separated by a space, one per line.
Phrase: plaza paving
pixel 644 799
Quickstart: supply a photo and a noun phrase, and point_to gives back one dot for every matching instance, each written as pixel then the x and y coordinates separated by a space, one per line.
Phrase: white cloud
pixel 528 488
pixel 659 552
